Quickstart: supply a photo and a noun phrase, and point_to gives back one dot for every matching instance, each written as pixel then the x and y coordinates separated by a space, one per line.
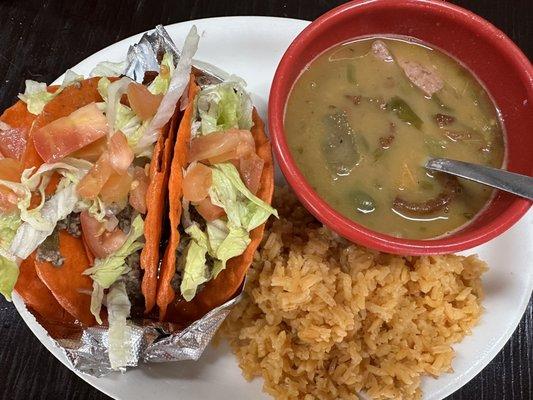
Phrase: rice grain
pixel 323 318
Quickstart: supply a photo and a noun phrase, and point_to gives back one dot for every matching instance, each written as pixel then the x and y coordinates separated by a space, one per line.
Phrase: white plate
pixel 251 47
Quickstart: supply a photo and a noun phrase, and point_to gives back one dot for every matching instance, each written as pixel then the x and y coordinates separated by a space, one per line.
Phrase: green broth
pixel 361 124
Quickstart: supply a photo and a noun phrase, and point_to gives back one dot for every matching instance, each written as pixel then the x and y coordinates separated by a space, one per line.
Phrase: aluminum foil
pixel 151 341
pixel 143 56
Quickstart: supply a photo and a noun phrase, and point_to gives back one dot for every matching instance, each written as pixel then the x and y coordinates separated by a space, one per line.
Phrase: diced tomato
pixel 15 123
pixel 222 146
pixel 100 242
pixel 12 141
pixel 250 169
pixel 90 255
pixel 196 182
pixel 142 102
pixel 93 151
pixel 91 184
pixel 120 154
pixel 116 189
pixel 138 190
pixel 208 210
pixel 227 156
pixel 111 222
pixel 8 200
pixel 10 170
pixel 68 134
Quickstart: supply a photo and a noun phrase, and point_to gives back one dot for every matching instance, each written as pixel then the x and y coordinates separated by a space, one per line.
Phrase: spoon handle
pixel 518 184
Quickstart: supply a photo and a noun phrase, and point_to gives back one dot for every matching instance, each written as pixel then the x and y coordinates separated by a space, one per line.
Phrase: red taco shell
pixel 67 283
pixel 165 292
pixel 155 206
pixel 42 303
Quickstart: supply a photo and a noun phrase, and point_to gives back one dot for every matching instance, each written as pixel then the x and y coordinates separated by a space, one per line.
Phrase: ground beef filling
pixel 125 217
pixel 176 281
pixel 48 251
pixel 132 280
pixel 71 224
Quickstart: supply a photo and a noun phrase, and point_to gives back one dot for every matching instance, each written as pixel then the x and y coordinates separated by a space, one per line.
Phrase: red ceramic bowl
pixel 496 61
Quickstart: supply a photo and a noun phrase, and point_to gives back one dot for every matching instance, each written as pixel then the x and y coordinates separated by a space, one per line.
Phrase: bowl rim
pixel 319 207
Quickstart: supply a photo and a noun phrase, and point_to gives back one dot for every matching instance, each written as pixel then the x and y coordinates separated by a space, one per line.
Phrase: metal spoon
pixel 518 184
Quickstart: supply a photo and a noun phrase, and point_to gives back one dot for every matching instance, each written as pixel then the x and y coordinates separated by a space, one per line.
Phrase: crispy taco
pixel 49 313
pixel 85 194
pixel 221 184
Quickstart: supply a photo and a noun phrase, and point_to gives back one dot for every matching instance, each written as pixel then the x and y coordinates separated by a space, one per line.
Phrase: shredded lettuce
pixel 41 225
pixel 103 85
pixel 134 131
pixel 197 235
pixel 115 111
pixel 161 82
pixel 108 68
pixel 31 180
pixel 242 207
pixel 224 106
pixel 36 94
pixel 217 231
pixel 220 242
pixel 40 221
pixel 106 271
pixel 195 272
pixel 119 333
pixel 223 242
pixel 125 119
pixel 95 207
pixel 233 245
pixel 97 297
pixel 178 84
pixel 9 272
pixel 70 78
pixel 9 223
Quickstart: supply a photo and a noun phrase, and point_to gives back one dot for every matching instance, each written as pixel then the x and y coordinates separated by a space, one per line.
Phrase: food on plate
pixel 131 203
pixel 221 184
pixel 364 117
pixel 324 318
pixel 49 313
pixel 84 171
pixel 15 123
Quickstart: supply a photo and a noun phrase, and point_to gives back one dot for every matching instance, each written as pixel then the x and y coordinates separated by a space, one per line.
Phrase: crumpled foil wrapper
pixel 143 56
pixel 151 341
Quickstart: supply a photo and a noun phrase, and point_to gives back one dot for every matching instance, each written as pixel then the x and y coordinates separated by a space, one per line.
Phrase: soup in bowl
pixel 370 91
pixel 363 118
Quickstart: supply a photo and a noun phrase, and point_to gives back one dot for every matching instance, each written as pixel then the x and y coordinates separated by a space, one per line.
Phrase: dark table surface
pixel 40 39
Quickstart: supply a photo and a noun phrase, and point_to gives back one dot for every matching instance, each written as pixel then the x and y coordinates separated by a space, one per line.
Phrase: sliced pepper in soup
pixel 364 117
